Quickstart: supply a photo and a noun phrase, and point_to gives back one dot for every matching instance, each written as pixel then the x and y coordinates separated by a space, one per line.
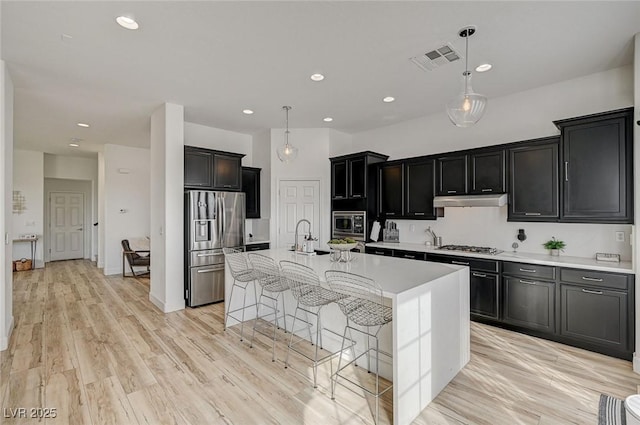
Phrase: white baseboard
pixel 636 363
pixel 112 271
pixel 4 339
pixel 166 308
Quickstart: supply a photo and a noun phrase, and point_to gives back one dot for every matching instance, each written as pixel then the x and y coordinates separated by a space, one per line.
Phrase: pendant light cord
pixel 466 62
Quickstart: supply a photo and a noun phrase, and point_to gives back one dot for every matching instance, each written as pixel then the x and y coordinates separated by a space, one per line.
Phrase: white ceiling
pixel 217 58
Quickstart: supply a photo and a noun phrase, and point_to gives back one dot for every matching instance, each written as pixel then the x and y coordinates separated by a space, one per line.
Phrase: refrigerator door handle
pixel 224 220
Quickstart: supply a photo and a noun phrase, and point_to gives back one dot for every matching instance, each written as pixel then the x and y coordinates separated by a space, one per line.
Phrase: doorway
pixel 298 199
pixel 66 225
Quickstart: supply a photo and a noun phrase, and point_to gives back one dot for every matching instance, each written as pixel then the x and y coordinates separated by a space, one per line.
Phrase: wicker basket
pixel 21 265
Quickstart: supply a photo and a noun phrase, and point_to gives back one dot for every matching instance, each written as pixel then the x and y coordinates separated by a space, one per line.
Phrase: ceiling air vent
pixel 436 58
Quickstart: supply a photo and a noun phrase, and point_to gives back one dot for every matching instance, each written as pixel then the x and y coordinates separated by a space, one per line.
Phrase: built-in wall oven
pixel 349 224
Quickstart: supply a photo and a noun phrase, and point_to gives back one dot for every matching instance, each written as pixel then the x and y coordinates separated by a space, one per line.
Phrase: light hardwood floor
pixel 99 352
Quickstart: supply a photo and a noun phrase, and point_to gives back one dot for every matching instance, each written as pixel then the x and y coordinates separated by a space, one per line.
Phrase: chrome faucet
pixel 295 242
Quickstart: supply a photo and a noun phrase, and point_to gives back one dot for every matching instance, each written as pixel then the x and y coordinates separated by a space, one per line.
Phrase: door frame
pixel 47 230
pixel 278 212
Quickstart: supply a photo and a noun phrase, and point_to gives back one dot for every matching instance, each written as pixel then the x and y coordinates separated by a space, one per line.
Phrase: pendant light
pixel 468 107
pixel 287 152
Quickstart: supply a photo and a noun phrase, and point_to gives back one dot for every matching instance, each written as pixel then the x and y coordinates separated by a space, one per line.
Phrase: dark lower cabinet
pixel 484 294
pixel 595 315
pixel 251 189
pixel 529 303
pixel 411 255
pixel 378 251
pixel 257 246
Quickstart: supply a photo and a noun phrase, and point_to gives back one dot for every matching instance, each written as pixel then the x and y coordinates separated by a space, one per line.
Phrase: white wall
pixel 101 212
pixel 28 178
pixel 340 143
pixel 312 164
pixel 6 185
pixel 520 116
pixel 126 200
pixel 222 140
pixel 167 214
pixel 78 168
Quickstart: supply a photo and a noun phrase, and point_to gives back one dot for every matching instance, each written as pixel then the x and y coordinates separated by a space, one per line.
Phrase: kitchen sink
pixel 317 251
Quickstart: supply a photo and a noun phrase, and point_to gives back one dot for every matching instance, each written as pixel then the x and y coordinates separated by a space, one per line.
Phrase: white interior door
pixel 66 222
pixel 298 199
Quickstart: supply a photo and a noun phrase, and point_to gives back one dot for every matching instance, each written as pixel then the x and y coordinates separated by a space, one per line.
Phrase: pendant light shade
pixel 468 107
pixel 287 152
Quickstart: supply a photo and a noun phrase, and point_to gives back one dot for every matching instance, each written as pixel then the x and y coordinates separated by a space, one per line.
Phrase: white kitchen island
pixel 429 335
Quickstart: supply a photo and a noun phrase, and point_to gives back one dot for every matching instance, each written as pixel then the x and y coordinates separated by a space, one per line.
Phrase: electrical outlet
pixel 619 236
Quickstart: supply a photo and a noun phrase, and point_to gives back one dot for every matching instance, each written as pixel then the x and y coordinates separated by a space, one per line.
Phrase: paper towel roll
pixel 375 231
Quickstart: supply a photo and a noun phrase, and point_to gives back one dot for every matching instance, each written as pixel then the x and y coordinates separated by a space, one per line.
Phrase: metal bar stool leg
pixel 244 303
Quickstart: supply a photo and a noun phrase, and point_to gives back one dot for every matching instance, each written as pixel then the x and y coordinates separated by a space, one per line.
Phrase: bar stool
pixel 362 304
pixel 310 297
pixel 243 274
pixel 269 277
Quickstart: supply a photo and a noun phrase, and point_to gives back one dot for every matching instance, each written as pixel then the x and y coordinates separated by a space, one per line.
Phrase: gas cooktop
pixel 474 249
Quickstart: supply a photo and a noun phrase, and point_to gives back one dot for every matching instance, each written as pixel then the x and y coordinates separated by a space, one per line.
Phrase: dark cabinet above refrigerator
pixel 212 170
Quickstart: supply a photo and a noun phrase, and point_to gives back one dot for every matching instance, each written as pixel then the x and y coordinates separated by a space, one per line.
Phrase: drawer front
pixel 587 277
pixel 257 247
pixel 491 266
pixel 529 270
pixel 206 257
pixel 379 251
pixel 412 255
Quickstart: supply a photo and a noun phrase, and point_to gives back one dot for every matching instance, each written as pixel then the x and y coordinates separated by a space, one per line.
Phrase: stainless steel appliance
pixel 469 248
pixel 213 220
pixel 349 224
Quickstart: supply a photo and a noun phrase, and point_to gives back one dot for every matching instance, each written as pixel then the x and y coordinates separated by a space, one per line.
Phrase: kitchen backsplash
pixel 489 227
pixel 259 228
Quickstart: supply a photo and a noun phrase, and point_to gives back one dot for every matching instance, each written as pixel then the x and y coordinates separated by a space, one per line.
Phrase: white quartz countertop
pixel 394 275
pixel 518 257
pixel 254 241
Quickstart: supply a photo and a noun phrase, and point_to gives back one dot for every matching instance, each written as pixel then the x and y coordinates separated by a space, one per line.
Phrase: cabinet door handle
pixel 528 270
pixel 378 252
pixel 418 213
pixel 390 213
pixel 528 282
pixel 487 190
pixel 413 257
pixel 532 214
pixel 356 196
pixel 566 171
pixel 452 191
pixel 591 279
pixel 462 263
pixel 592 292
pixel 226 185
pixel 479 274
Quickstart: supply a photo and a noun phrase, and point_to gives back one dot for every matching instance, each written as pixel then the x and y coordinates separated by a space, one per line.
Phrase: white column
pixel 167 188
pixel 636 174
pixel 6 216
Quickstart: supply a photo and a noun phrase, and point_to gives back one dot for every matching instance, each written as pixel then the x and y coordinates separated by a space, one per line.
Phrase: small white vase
pixel 555 252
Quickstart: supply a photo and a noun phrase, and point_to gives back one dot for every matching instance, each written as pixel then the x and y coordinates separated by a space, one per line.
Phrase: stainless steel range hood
pixel 495 200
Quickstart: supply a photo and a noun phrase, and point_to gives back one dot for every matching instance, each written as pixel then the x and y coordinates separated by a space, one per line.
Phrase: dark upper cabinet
pixel 198 168
pixel 339 180
pixel 391 181
pixel 349 176
pixel 227 171
pixel 419 185
pixel 487 172
pixel 533 181
pixel 251 188
pixel 597 166
pixel 452 175
pixel 212 170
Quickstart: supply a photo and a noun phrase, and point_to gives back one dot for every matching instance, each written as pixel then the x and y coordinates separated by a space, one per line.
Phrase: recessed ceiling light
pixel 484 67
pixel 127 22
pixel 74 145
pixel 81 124
pixel 247 111
pixel 327 119
pixel 317 77
pixel 388 99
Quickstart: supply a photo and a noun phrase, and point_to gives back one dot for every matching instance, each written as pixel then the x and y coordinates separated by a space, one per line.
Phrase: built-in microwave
pixel 351 224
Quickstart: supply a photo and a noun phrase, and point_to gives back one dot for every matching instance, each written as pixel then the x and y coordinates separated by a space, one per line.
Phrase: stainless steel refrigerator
pixel 213 220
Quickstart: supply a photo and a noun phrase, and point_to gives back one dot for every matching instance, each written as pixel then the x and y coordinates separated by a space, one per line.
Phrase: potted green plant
pixel 554 245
